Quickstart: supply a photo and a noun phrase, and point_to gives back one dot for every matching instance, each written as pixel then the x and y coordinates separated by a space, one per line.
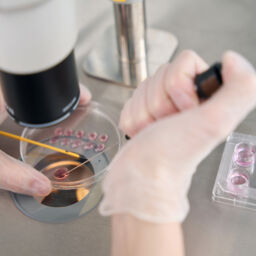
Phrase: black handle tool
pixel 209 81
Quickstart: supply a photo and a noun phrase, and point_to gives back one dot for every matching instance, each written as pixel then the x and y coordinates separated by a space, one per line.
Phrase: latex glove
pixel 150 177
pixel 19 177
pixel 169 91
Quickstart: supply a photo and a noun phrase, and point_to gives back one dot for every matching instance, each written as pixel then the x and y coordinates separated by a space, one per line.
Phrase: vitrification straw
pixel 16 137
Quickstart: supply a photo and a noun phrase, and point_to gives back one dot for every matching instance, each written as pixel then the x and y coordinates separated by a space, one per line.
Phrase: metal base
pixel 103 62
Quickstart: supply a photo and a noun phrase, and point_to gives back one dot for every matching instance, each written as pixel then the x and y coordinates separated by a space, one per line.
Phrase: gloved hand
pixel 150 177
pixel 19 177
pixel 169 91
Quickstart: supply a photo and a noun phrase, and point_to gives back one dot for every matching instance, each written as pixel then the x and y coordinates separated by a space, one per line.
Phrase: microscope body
pixel 37 66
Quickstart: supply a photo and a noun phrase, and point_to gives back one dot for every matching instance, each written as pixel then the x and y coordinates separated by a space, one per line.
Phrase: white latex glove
pixel 150 177
pixel 19 177
pixel 169 91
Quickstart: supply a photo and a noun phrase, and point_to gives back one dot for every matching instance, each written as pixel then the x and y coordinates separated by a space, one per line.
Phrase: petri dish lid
pixel 90 131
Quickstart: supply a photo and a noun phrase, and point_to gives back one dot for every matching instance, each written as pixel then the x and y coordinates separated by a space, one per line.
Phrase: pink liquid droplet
pixel 80 134
pixel 76 144
pixel 58 131
pixel 68 132
pixel 238 181
pixel 53 140
pixel 61 173
pixel 100 148
pixel 103 137
pixel 93 136
pixel 89 145
pixel 244 158
pixel 65 142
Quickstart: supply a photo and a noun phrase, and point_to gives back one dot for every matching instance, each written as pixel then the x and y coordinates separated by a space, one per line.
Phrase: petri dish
pixel 90 131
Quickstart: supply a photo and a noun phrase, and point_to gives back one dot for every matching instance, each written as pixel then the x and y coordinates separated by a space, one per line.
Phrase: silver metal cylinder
pixel 132 52
pixel 130 20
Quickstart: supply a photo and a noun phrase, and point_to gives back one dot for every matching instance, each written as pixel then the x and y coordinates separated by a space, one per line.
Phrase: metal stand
pixel 131 53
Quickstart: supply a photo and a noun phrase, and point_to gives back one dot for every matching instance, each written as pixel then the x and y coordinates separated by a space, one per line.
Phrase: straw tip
pixel 82 158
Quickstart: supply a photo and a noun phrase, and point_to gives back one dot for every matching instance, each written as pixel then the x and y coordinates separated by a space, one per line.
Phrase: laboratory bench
pixel 206 26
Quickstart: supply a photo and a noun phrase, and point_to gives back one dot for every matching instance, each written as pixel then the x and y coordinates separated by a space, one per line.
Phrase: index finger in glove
pixel 21 178
pixel 169 91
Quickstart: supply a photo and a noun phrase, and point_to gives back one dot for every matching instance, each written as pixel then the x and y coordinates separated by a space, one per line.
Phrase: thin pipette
pixel 40 144
pixel 90 159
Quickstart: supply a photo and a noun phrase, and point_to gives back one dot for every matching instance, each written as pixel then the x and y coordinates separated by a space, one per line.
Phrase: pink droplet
pixel 245 146
pixel 239 180
pixel 53 140
pixel 58 131
pixel 61 173
pixel 80 134
pixel 76 144
pixel 244 158
pixel 68 132
pixel 92 136
pixel 99 148
pixel 89 145
pixel 65 142
pixel 103 137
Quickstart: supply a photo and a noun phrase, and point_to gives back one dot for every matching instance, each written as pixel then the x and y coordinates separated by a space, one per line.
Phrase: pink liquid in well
pixel 244 158
pixel 239 180
pixel 245 146
pixel 61 173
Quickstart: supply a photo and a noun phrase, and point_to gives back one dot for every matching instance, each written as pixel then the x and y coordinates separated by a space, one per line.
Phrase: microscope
pixel 37 65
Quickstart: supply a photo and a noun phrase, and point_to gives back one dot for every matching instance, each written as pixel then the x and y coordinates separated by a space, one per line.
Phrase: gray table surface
pixel 209 27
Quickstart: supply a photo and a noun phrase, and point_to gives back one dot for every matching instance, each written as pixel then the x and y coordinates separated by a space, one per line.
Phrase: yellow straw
pixel 16 137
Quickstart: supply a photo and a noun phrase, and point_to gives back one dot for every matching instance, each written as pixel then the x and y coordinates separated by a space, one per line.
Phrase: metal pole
pixel 130 52
pixel 130 21
pixel 131 36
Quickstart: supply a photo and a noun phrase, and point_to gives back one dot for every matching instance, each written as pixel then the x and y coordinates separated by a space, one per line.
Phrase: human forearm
pixel 134 237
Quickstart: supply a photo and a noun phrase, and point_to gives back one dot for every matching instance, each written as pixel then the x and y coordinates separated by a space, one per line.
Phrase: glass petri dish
pixel 91 131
